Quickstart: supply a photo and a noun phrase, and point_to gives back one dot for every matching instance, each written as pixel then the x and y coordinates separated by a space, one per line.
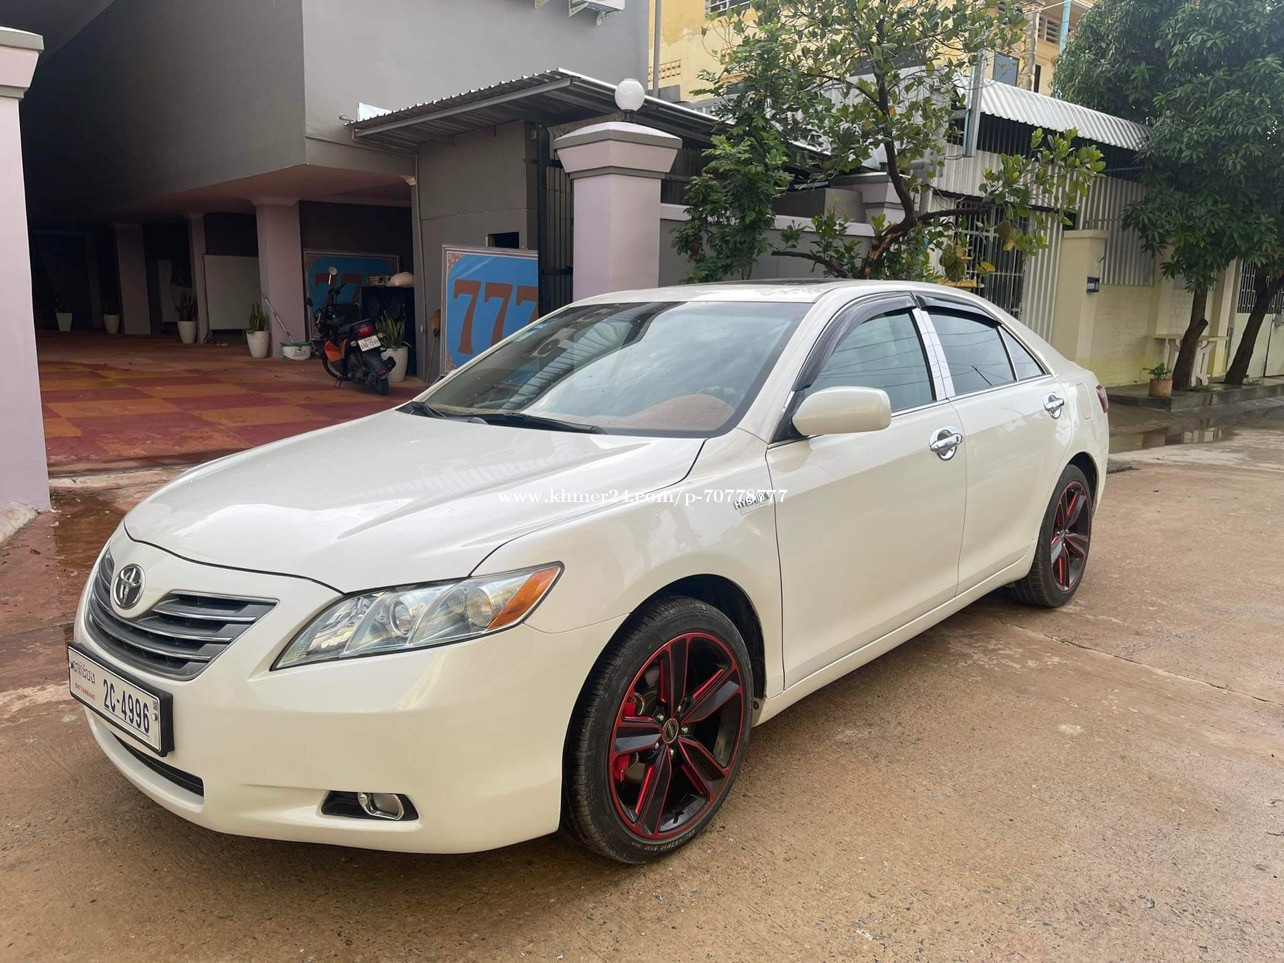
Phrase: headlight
pixel 419 616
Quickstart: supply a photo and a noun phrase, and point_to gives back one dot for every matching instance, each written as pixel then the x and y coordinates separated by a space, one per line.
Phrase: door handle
pixel 945 442
pixel 1053 404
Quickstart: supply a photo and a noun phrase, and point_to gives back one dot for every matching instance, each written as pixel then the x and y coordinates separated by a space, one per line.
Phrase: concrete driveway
pixel 1101 782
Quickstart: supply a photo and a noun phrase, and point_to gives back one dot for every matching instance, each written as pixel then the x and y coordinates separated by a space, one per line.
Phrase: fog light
pixel 392 806
pixel 382 805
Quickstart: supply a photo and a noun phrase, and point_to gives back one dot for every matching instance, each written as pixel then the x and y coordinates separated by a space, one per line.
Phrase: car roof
pixel 796 290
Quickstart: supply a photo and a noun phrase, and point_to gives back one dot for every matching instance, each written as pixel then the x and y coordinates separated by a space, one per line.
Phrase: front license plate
pixel 142 712
pixel 369 344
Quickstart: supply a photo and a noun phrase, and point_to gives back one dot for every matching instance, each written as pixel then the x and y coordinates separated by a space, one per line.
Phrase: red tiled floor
pixel 117 401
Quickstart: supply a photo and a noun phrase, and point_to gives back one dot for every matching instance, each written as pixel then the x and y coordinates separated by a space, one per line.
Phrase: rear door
pixel 1016 424
pixel 868 525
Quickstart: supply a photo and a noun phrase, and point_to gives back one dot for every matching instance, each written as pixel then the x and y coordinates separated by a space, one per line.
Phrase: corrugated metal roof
pixel 552 97
pixel 1037 110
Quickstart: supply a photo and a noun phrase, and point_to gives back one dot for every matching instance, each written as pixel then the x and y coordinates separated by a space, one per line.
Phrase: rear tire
pixel 1064 540
pixel 659 734
pixel 381 386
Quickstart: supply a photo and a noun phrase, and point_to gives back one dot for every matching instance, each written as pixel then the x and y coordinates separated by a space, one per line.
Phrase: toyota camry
pixel 560 587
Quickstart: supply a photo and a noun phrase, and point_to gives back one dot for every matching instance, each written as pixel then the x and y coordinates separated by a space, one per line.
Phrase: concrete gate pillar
pixel 24 477
pixel 616 169
pixel 196 243
pixel 281 266
pixel 1074 315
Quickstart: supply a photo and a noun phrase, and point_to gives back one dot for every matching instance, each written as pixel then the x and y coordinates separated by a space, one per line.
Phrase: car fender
pixel 720 520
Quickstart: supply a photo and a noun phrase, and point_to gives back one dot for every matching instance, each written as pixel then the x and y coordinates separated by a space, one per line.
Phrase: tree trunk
pixel 1263 293
pixel 1184 368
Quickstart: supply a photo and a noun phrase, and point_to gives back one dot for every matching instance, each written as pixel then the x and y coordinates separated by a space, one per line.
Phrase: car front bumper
pixel 472 733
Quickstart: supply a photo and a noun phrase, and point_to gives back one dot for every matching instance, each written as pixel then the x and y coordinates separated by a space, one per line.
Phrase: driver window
pixel 881 352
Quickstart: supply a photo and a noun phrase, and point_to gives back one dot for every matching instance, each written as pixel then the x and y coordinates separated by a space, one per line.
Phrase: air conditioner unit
pixel 603 8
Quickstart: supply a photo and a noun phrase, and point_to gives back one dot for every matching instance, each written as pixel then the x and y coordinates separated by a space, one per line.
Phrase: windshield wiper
pixel 520 419
pixel 425 409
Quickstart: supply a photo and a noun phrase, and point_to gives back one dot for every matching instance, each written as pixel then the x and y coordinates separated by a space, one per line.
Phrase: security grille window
pixel 1248 296
pixel 1023 362
pixel 974 351
pixel 1050 30
pixel 715 8
pixel 1005 285
pixel 883 352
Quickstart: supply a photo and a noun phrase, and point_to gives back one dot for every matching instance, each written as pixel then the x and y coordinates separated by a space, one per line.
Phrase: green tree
pixel 1207 76
pixel 815 90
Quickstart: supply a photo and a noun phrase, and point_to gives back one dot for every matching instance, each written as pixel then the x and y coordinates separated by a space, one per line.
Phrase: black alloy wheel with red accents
pixel 1064 539
pixel 659 733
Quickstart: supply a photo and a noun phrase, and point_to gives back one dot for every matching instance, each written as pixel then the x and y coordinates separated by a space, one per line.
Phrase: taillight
pixel 367 329
pixel 1101 396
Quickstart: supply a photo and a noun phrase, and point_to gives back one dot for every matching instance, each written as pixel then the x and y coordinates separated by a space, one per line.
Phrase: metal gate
pixel 555 226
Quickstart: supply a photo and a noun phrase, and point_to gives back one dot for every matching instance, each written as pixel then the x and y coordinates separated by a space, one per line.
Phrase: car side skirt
pixel 872 650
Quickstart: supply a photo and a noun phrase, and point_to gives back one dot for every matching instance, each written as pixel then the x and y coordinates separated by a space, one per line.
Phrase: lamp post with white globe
pixel 630 95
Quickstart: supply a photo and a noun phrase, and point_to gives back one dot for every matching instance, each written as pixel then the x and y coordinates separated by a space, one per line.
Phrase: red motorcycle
pixel 348 346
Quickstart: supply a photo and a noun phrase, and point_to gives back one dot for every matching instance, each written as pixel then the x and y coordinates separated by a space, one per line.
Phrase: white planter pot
pixel 399 357
pixel 259 343
pixel 187 331
pixel 112 323
pixel 64 320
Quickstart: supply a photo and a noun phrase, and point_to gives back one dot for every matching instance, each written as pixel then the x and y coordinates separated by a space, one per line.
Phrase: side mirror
pixel 843 411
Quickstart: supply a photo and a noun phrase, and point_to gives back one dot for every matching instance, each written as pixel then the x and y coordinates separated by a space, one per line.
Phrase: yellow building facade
pixel 694 32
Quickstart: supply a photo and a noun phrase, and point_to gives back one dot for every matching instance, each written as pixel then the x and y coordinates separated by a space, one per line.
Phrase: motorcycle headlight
pixel 419 616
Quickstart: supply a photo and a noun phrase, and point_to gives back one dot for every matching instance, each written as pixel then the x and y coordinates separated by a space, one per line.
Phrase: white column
pixel 616 169
pixel 24 478
pixel 131 266
pixel 196 243
pixel 281 265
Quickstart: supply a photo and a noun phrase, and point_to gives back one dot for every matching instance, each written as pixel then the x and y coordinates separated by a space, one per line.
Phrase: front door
pixel 1014 431
pixel 868 525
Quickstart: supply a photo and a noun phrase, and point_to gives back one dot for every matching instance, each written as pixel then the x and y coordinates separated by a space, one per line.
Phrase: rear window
pixel 1023 362
pixel 974 351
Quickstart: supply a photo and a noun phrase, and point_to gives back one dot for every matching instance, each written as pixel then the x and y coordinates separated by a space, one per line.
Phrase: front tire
pixel 660 732
pixel 1064 539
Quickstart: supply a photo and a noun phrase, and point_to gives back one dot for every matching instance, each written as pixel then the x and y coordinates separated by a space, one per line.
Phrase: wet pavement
pixel 1104 781
pixel 113 402
pixel 1132 429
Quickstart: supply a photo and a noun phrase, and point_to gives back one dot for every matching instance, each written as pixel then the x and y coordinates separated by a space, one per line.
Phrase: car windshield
pixel 661 367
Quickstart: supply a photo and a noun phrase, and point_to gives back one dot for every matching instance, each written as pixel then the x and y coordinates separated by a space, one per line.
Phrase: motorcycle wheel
pixel 330 369
pixel 381 386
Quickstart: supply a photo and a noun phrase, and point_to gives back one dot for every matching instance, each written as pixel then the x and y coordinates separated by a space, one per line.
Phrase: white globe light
pixel 629 95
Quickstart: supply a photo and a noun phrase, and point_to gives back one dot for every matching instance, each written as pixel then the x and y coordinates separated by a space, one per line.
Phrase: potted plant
pixel 391 335
pixel 1161 380
pixel 111 313
pixel 186 308
pixel 257 333
pixel 64 317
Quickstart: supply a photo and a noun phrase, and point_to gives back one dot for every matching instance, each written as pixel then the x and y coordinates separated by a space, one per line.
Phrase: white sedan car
pixel 559 587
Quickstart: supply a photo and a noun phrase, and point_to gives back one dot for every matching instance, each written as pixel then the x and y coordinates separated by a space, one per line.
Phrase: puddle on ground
pixel 81 524
pixel 1161 437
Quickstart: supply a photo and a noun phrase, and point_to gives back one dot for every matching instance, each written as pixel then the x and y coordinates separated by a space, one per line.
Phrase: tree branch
pixel 829 264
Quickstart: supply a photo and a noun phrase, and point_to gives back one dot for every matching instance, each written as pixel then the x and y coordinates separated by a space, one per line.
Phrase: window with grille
pixel 714 8
pixel 1050 30
pixel 1247 294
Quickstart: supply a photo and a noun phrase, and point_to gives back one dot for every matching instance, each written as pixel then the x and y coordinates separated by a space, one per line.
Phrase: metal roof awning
pixel 1036 110
pixel 553 97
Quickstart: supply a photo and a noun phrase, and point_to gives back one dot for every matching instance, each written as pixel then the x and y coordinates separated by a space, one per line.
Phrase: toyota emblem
pixel 128 587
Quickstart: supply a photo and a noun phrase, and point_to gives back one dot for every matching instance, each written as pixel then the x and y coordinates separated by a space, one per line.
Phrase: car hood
pixel 396 498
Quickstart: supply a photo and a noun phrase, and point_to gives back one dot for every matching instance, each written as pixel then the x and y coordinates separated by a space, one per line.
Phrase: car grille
pixel 179 636
pixel 184 780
